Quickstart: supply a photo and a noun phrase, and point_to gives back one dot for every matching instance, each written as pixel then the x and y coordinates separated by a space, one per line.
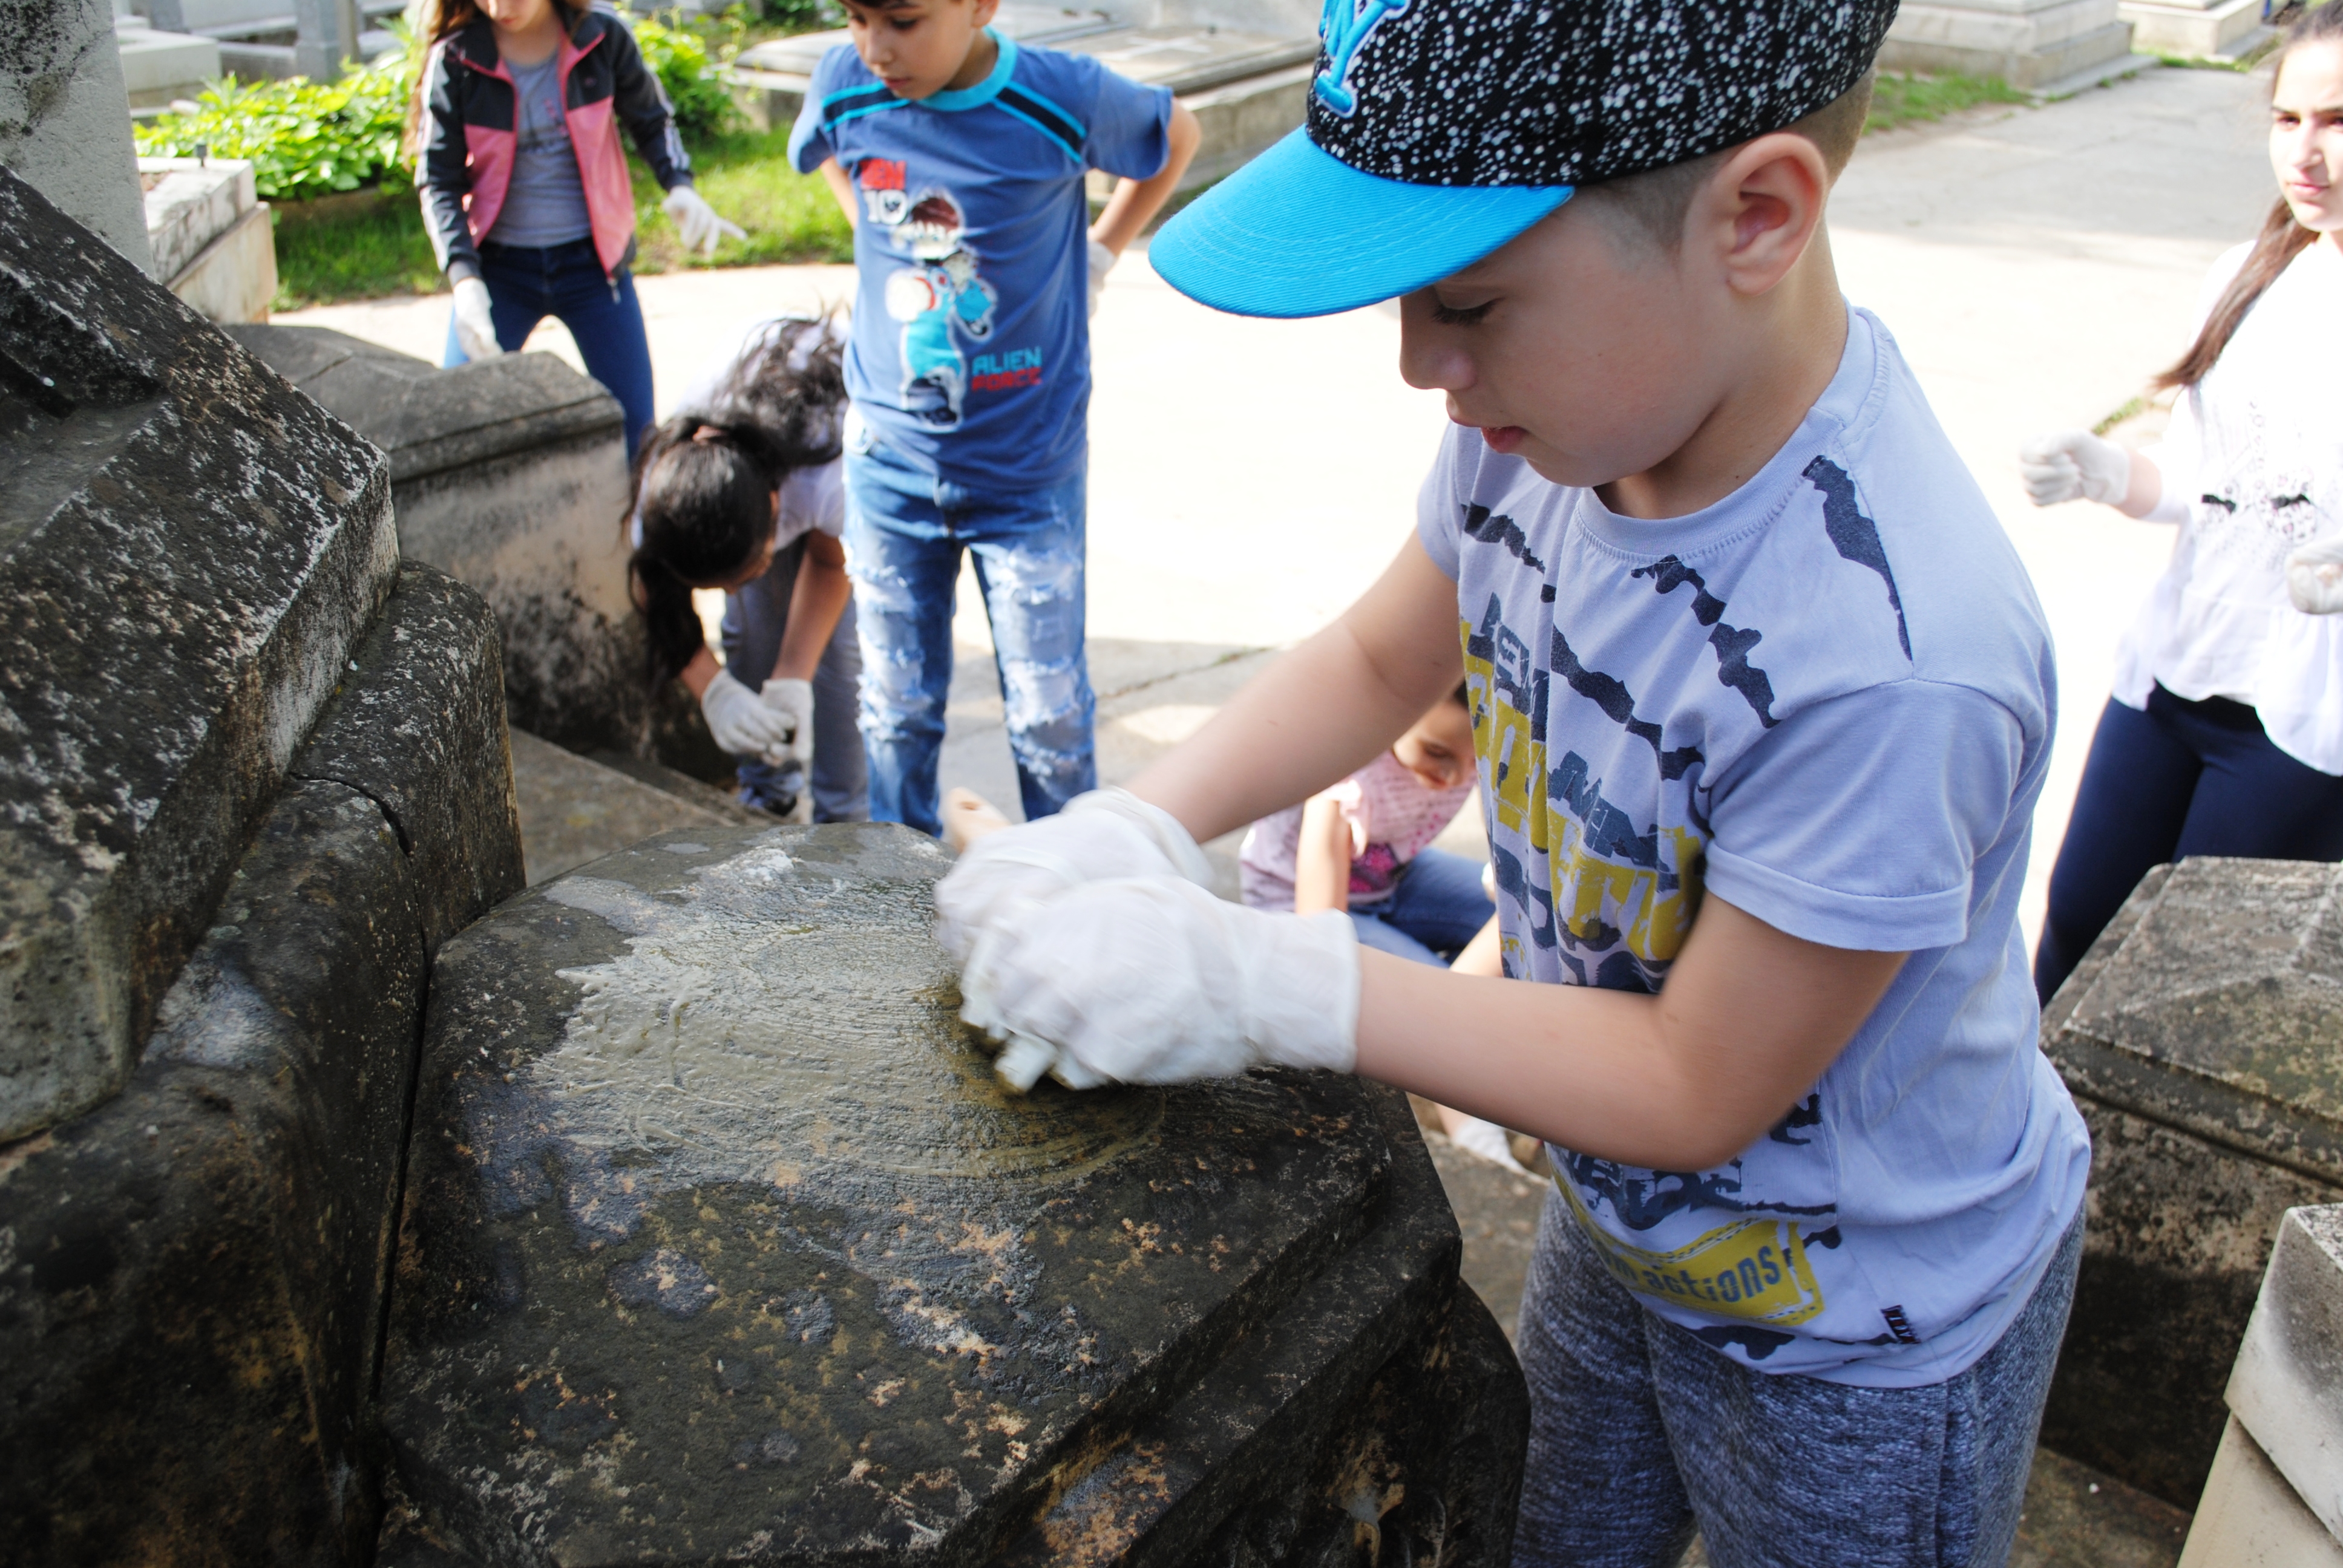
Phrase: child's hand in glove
pixel 2314 576
pixel 698 225
pixel 794 700
pixel 739 723
pixel 2072 464
pixel 1106 833
pixel 1154 981
pixel 476 325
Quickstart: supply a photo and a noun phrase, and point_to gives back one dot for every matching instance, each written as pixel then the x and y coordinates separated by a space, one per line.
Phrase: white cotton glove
pixel 1103 262
pixel 2072 464
pixel 794 700
pixel 1152 979
pixel 476 327
pixel 741 724
pixel 1005 876
pixel 2314 576
pixel 699 225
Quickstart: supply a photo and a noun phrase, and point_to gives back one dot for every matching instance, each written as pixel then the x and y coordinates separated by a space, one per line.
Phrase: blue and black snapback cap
pixel 1440 129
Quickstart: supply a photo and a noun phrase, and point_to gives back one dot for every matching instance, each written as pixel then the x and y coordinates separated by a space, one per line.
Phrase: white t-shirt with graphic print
pixel 1827 699
pixel 2255 452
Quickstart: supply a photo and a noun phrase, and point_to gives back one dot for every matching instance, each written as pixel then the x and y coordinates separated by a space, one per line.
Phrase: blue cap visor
pixel 1299 232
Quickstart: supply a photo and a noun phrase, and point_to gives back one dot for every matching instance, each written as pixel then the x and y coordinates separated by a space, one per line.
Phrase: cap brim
pixel 1298 232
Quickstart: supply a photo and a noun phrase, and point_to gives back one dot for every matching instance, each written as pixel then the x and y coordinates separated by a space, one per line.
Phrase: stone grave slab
pixel 188 549
pixel 192 1276
pixel 2203 1040
pixel 723 1242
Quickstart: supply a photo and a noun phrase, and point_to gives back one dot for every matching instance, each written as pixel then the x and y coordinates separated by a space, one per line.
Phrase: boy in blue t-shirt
pixel 960 158
pixel 1762 701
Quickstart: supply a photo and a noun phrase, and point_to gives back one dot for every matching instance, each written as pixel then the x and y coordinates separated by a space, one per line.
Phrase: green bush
pixel 304 139
pixel 694 83
pixel 800 15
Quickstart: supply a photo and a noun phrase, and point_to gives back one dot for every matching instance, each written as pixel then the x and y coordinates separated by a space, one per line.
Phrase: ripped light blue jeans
pixel 905 530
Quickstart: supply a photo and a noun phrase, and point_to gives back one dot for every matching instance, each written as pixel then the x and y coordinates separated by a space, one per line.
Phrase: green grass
pixel 1902 100
pixel 372 244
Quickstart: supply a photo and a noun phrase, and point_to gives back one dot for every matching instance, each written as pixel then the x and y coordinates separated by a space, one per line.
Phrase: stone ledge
pixel 2287 1386
pixel 188 550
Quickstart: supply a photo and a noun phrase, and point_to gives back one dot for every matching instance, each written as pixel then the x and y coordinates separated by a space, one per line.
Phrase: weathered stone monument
pixel 2276 1495
pixel 2050 47
pixel 2203 1040
pixel 254 773
pixel 724 1242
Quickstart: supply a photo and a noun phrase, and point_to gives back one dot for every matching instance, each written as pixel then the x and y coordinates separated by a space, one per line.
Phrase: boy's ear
pixel 1760 210
pixel 985 11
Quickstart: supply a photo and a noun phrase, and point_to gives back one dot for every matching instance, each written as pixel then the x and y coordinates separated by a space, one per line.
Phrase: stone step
pixel 574 809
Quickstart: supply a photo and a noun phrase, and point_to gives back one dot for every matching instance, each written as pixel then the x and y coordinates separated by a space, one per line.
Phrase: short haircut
pixel 1653 203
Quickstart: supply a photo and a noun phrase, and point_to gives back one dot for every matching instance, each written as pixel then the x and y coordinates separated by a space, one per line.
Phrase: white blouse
pixel 2255 453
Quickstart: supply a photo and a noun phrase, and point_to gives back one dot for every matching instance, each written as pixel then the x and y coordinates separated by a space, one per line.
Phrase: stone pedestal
pixel 2203 1040
pixel 724 1241
pixel 2049 47
pixel 2276 1495
pixel 511 475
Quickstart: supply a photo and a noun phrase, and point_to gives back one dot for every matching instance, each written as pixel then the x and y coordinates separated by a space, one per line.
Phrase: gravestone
pixel 724 1241
pixel 64 116
pixel 188 549
pixel 510 474
pixel 2202 1038
pixel 255 773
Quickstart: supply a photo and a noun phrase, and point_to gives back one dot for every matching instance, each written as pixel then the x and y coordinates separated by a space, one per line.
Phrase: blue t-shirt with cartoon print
pixel 970 353
pixel 1826 699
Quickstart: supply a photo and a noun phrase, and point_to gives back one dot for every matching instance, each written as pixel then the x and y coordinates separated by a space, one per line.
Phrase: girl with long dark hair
pixel 526 194
pixel 2225 734
pixel 741 490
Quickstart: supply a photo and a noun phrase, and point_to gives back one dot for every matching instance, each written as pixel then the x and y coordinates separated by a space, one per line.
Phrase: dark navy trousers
pixel 2181 779
pixel 526 285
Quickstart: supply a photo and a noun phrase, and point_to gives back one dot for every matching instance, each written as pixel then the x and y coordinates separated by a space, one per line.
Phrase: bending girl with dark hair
pixel 2225 735
pixel 742 491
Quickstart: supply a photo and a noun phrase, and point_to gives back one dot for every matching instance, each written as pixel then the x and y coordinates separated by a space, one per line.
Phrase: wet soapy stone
pixel 724 1241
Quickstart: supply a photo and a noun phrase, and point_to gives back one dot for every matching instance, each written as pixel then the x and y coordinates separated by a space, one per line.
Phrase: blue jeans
pixel 905 529
pixel 2181 779
pixel 527 284
pixel 1639 1431
pixel 1436 907
pixel 756 616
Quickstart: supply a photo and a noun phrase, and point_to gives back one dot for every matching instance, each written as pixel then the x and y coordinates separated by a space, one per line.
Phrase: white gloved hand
pixel 742 725
pixel 1005 876
pixel 699 225
pixel 2314 576
pixel 794 700
pixel 1152 979
pixel 1103 262
pixel 475 326
pixel 2075 463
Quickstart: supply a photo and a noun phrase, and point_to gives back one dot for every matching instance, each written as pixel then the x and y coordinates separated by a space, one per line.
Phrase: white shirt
pixel 2255 453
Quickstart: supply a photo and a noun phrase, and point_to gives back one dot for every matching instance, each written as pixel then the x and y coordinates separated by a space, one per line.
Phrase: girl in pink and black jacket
pixel 526 193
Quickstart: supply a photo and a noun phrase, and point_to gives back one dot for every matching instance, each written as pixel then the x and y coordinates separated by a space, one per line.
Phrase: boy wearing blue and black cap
pixel 1762 702
pixel 959 158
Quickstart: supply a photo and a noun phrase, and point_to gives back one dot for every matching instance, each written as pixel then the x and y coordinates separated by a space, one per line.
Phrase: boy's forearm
pixel 1750 1018
pixel 841 189
pixel 1320 712
pixel 1135 203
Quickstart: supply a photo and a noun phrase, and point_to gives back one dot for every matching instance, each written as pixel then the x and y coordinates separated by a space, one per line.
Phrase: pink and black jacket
pixel 467 152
